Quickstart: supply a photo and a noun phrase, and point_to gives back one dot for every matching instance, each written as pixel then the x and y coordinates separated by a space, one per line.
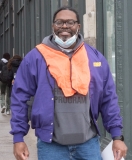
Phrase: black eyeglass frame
pixel 65 21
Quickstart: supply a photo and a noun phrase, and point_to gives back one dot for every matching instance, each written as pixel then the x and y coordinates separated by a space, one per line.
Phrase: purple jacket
pixel 34 79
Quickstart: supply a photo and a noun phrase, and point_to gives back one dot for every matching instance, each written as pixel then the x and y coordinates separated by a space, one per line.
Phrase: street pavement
pixel 6 145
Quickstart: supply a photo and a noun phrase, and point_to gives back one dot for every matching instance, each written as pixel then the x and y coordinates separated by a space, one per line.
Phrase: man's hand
pixel 21 151
pixel 119 149
pixel 12 82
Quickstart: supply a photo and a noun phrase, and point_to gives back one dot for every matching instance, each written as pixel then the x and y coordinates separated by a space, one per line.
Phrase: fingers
pixel 21 151
pixel 22 157
pixel 26 155
pixel 119 149
pixel 119 154
pixel 124 154
pixel 26 152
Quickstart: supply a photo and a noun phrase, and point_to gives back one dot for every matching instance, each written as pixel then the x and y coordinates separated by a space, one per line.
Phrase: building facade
pixel 105 24
pixel 31 21
pixel 113 39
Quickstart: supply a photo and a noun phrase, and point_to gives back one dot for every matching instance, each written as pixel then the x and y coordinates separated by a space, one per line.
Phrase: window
pixel 20 4
pixel 109 35
pixel 1 24
pixel 64 2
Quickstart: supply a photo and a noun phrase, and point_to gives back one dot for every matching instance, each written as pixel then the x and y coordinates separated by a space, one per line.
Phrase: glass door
pixel 109 37
pixel 109 34
pixel 105 30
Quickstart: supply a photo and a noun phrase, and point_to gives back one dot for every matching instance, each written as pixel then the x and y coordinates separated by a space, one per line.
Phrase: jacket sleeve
pixel 24 87
pixel 110 110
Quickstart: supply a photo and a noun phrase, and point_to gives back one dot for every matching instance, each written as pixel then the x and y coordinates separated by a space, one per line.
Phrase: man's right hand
pixel 21 151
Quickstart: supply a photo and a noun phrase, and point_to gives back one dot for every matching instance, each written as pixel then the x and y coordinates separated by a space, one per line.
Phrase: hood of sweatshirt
pixel 49 41
pixel 4 60
pixel 15 63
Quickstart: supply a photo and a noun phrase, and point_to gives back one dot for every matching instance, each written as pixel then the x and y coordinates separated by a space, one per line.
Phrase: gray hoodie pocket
pixel 73 128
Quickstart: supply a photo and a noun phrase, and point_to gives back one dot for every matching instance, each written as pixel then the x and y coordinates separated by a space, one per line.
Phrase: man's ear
pixel 79 27
pixel 52 29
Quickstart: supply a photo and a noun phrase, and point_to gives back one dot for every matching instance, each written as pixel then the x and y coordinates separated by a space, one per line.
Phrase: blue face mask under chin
pixel 67 43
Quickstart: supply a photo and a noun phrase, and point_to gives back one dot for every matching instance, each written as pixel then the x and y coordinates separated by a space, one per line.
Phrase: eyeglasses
pixel 69 23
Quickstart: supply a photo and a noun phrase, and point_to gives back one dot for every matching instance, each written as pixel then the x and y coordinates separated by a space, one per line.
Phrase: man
pixel 71 83
pixel 3 85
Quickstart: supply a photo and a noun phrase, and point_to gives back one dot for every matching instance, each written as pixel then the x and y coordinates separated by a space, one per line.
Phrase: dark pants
pixel 4 96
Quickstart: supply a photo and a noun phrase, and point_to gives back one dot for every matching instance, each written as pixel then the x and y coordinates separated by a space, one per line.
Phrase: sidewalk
pixel 6 145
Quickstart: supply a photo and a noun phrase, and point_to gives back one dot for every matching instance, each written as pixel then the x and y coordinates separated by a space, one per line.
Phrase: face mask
pixel 67 43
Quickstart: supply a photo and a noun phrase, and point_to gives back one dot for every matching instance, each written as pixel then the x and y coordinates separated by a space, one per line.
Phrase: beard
pixel 64 38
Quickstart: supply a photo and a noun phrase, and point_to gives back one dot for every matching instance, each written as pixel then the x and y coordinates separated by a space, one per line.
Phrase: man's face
pixel 66 32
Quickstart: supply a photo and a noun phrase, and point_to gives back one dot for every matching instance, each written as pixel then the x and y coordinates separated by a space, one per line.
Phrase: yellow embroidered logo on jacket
pixel 96 64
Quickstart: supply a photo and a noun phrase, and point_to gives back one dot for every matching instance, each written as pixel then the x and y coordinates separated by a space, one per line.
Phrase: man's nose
pixel 64 25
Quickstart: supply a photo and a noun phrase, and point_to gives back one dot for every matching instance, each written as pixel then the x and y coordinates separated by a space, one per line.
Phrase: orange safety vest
pixel 72 75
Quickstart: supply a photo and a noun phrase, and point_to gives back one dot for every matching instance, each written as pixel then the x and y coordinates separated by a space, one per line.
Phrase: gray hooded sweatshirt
pixel 72 121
